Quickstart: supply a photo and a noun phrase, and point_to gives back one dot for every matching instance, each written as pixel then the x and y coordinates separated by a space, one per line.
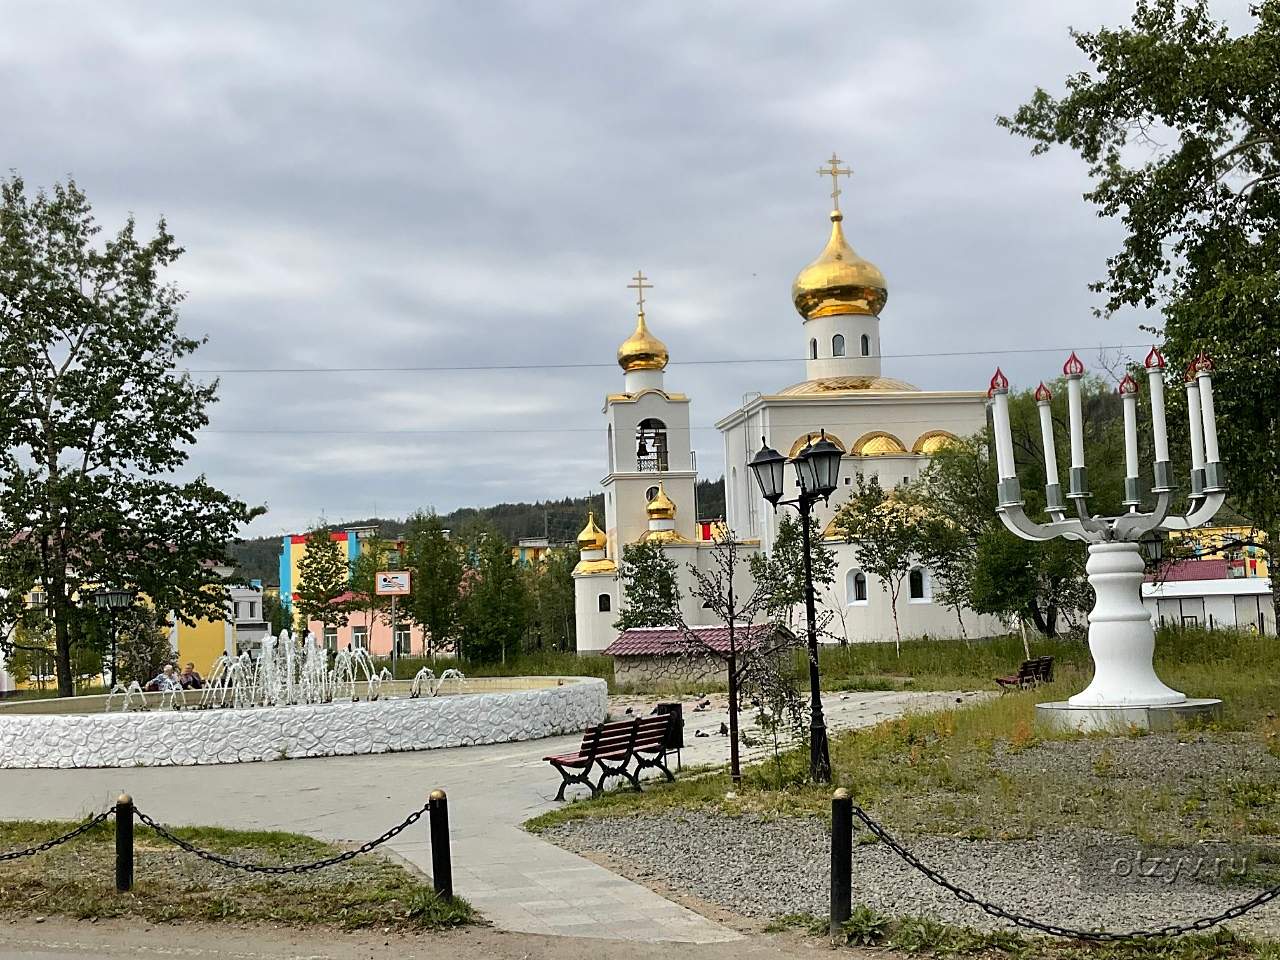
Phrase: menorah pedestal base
pixel 1121 639
pixel 1063 715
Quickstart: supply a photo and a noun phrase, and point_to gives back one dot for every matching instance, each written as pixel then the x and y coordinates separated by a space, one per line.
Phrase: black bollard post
pixel 124 843
pixel 841 861
pixel 441 865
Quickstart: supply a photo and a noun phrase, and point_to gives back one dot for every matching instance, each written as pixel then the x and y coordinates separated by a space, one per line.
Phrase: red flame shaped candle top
pixel 1043 394
pixel 1202 364
pixel 999 383
pixel 1128 386
pixel 1155 360
pixel 1073 367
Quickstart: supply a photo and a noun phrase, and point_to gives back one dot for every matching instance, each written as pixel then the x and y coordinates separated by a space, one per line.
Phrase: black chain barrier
pixel 58 841
pixel 1096 936
pixel 343 857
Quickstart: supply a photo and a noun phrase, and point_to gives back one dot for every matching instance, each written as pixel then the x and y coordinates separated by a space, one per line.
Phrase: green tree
pixel 494 608
pixel 437 568
pixel 887 530
pixel 276 614
pixel 650 587
pixel 323 577
pixel 780 574
pixel 1180 125
pixel 549 589
pixel 375 554
pixel 95 418
pixel 142 644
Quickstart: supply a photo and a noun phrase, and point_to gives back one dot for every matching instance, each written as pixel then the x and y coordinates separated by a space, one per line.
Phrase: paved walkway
pixel 519 882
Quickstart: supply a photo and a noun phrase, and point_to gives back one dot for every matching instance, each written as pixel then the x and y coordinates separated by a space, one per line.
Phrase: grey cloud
pixel 383 185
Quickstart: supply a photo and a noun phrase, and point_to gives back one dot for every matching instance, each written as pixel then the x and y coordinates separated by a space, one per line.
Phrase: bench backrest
pixel 1037 668
pixel 625 735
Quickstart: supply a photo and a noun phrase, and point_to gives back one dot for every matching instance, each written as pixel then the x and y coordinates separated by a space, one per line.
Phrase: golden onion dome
pixel 592 537
pixel 661 507
pixel 839 281
pixel 642 350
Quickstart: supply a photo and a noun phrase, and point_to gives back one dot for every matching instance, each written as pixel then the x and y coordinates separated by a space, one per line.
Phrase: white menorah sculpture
pixel 1121 637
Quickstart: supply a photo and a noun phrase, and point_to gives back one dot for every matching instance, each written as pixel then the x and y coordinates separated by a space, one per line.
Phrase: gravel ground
pixel 1173 760
pixel 770 868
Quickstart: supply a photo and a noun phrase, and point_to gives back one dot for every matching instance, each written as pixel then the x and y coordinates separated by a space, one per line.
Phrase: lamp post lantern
pixel 1125 688
pixel 111 601
pixel 817 469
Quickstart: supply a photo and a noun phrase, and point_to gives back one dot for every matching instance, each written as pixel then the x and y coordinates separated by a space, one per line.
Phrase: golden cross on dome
pixel 640 287
pixel 833 171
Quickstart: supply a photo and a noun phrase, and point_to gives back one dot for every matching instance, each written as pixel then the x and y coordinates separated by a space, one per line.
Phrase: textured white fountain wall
pixel 169 738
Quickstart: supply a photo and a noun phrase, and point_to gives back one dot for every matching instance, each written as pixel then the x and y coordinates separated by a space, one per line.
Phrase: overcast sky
pixel 468 185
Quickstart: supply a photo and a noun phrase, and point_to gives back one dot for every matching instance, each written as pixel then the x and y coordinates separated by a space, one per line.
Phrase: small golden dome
pixel 642 350
pixel 878 444
pixel 592 537
pixel 839 281
pixel 661 507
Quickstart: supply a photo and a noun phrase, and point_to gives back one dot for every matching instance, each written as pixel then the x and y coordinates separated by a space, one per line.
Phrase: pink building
pixel 372 633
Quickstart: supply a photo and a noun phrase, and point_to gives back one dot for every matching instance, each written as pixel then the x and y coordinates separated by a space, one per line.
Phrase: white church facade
pixel 885 426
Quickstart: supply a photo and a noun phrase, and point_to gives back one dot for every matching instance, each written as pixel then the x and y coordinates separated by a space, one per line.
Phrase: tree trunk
pixel 897 634
pixel 62 637
pixel 1026 647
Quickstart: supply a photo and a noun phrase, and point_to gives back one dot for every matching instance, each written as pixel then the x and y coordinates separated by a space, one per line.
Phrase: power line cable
pixel 586 365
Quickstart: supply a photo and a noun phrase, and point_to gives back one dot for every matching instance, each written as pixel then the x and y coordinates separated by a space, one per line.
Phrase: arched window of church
pixel 856 587
pixel 866 345
pixel 813 349
pixel 650 494
pixel 605 603
pixel 837 345
pixel 611 448
pixel 651 446
pixel 916 584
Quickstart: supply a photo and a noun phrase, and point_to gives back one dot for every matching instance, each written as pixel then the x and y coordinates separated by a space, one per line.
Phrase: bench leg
pixel 583 778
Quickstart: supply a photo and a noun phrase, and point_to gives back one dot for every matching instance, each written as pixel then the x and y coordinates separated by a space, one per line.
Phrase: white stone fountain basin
pixel 63 733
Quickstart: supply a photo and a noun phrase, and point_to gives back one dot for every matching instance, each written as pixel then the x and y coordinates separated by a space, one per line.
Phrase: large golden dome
pixel 642 350
pixel 839 281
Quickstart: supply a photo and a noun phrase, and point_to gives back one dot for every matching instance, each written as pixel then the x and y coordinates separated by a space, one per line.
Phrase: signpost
pixel 393 584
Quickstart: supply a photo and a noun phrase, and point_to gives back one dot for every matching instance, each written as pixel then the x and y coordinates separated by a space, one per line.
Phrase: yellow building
pixel 1226 543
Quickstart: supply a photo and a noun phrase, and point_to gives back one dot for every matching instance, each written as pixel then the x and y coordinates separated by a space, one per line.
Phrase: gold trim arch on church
pixel 808 438
pixel 878 443
pixel 929 443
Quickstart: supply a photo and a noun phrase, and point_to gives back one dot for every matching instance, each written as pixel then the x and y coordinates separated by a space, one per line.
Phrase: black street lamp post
pixel 817 469
pixel 111 601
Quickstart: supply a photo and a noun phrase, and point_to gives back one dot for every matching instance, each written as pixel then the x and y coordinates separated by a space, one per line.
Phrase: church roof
pixel 667 641
pixel 826 386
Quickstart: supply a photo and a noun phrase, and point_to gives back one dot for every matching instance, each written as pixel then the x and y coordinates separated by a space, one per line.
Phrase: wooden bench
pixel 1032 673
pixel 622 748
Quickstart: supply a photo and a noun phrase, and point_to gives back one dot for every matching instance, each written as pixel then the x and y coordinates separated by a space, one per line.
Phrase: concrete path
pixel 519 882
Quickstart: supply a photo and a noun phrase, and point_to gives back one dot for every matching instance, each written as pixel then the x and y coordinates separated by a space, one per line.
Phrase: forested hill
pixel 558 520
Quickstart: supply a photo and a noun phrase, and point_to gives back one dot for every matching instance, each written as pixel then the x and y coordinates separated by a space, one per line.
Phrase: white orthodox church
pixel 886 427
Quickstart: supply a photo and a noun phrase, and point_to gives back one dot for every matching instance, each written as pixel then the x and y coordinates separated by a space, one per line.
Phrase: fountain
pixel 288 701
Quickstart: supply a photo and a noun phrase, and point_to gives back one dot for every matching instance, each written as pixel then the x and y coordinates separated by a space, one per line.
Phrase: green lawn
pixel 77 880
pixel 986 770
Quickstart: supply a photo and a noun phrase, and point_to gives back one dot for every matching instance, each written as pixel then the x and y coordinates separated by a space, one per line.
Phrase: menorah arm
pixel 1131 526
pixel 1016 519
pixel 1197 515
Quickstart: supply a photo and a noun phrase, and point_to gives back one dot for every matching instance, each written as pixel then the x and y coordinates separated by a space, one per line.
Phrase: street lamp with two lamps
pixel 817 469
pixel 112 601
